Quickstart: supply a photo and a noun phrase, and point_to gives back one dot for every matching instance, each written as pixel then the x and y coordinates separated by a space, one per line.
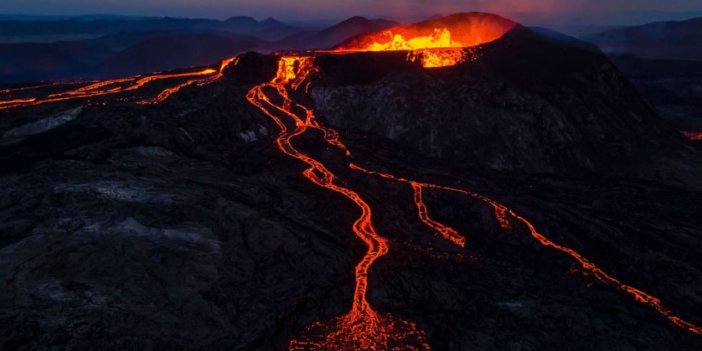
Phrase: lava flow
pixel 362 328
pixel 120 85
pixel 504 213
pixel 435 43
pixel 165 94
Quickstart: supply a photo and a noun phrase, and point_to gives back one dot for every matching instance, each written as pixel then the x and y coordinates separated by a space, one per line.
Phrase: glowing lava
pixel 166 93
pixel 435 43
pixel 120 85
pixel 362 328
pixel 693 135
pixel 504 213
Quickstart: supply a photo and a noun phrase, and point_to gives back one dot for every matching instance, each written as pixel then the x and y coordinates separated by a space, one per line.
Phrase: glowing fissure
pixel 445 231
pixel 121 85
pixel 503 215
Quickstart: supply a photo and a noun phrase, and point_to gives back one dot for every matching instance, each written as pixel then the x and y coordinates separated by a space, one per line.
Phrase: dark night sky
pixel 530 10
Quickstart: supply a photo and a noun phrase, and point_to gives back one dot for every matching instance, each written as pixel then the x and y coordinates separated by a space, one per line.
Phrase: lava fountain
pixel 437 42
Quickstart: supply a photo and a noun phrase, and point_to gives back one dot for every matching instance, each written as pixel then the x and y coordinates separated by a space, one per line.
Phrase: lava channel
pixel 362 328
pixel 503 214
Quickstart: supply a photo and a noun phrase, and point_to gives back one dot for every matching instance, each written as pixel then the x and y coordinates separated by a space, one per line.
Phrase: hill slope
pixel 661 40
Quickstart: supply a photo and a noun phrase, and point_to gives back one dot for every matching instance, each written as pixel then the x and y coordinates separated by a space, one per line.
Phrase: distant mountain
pixel 271 22
pixel 49 61
pixel 68 48
pixel 92 17
pixel 661 40
pixel 270 28
pixel 175 51
pixel 267 29
pixel 664 60
pixel 242 21
pixel 118 54
pixel 583 29
pixel 335 34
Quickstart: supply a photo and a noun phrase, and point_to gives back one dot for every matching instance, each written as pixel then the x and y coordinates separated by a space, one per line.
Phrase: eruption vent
pixel 438 42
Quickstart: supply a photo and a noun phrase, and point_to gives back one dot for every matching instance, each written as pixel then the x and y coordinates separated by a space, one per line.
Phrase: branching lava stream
pixel 120 85
pixel 362 328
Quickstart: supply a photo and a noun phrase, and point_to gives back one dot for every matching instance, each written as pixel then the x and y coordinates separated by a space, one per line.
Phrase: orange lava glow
pixel 693 135
pixel 121 85
pixel 435 43
pixel 442 230
pixel 446 232
pixel 166 93
pixel 503 213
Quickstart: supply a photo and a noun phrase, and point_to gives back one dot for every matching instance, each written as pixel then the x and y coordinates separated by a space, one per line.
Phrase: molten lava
pixel 504 213
pixel 166 93
pixel 362 328
pixel 435 43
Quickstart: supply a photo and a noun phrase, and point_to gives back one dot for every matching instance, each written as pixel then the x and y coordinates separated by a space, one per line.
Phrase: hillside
pixel 678 40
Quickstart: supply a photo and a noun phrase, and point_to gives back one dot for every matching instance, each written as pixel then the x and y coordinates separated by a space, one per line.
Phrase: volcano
pixel 461 183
